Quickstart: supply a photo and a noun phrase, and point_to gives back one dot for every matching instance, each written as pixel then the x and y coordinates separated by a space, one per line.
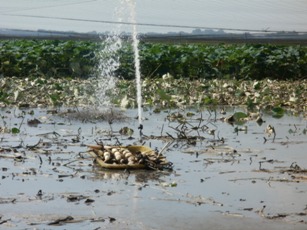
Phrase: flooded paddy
pixel 225 176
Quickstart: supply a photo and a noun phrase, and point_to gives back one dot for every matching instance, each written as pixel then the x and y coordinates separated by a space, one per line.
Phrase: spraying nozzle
pixel 140 128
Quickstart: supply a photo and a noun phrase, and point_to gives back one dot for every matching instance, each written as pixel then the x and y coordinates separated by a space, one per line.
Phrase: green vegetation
pixel 47 58
pixel 220 61
pixel 52 58
pixel 54 73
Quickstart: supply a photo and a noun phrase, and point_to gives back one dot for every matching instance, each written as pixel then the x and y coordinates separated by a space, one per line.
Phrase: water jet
pixel 110 60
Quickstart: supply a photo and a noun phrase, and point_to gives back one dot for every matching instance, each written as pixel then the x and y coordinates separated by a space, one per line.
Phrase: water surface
pixel 241 182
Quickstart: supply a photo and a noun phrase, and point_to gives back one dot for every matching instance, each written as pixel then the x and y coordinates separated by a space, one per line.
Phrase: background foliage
pixel 53 58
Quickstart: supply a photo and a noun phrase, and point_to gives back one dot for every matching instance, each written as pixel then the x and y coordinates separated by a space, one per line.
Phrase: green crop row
pixel 220 61
pixel 53 58
pixel 48 58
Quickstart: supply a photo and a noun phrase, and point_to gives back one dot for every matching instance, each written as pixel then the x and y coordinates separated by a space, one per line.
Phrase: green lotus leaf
pixel 15 130
pixel 239 115
pixel 278 112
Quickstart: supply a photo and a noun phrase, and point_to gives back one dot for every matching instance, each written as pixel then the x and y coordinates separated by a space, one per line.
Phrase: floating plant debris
pixel 274 96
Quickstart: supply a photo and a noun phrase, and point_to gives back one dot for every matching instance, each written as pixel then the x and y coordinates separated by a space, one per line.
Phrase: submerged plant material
pixel 90 113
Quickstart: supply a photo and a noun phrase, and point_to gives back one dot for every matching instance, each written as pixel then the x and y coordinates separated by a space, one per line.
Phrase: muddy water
pixel 245 181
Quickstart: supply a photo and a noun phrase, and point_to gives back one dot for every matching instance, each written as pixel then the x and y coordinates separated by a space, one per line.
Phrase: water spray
pixel 110 60
pixel 137 65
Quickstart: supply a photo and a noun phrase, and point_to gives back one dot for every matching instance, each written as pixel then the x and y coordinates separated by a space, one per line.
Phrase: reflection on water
pixel 138 176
